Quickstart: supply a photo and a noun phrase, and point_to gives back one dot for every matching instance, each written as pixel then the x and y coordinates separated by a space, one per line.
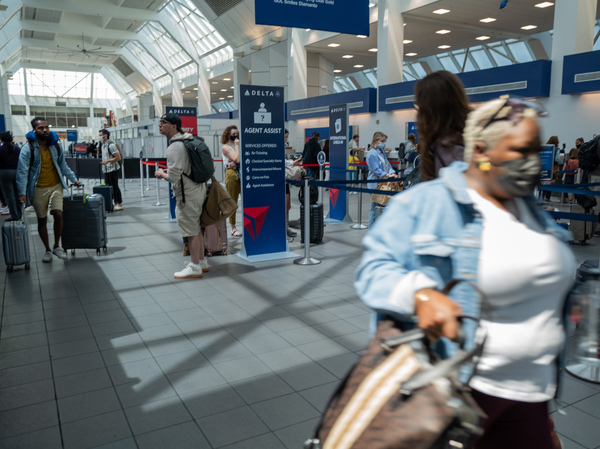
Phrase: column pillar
pixel 320 75
pixel 204 99
pixel 297 66
pixel 241 75
pixel 390 37
pixel 5 102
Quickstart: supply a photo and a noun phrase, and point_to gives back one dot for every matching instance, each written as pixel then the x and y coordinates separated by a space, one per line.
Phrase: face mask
pixel 381 145
pixel 521 175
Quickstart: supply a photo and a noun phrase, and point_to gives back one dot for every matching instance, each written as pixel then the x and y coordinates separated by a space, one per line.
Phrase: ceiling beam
pixel 99 8
pixel 64 44
pixel 77 29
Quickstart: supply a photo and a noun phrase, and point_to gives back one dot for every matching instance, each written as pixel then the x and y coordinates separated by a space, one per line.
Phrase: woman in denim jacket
pixel 379 167
pixel 479 222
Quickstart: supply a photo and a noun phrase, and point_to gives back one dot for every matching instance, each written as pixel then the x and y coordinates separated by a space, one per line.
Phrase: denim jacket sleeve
pixel 375 165
pixel 23 169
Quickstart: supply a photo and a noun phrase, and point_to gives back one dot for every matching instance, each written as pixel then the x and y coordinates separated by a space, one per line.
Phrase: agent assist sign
pixel 262 173
pixel 341 16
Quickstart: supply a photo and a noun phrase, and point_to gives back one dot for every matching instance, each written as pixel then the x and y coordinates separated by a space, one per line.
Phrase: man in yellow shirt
pixel 40 179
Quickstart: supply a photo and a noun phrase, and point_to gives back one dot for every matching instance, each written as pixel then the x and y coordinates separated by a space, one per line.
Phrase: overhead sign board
pixel 71 135
pixel 340 16
pixel 188 116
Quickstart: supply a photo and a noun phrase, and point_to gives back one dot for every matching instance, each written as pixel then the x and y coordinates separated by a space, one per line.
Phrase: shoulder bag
pixel 399 395
pixel 218 205
pixel 385 187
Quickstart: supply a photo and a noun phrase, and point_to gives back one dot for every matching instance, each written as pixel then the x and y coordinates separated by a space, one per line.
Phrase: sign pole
pixel 359 224
pixel 306 260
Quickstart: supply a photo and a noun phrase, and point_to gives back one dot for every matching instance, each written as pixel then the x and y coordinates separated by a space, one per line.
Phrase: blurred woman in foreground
pixel 479 221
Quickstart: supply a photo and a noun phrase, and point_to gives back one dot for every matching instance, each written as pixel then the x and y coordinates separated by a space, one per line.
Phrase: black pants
pixel 112 179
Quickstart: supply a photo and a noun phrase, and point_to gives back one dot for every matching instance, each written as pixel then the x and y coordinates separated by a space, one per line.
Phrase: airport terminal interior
pixel 107 349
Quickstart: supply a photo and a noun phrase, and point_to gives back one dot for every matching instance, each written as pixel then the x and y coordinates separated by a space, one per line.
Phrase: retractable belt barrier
pixel 573 188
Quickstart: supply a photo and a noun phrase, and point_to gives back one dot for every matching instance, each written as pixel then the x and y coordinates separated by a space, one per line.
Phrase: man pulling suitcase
pixel 41 180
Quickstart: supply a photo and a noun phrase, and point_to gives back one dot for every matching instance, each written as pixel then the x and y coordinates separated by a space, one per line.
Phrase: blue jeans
pixel 372 213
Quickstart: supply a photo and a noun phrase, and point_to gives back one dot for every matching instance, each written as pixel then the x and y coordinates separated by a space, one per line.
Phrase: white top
pixel 108 151
pixel 226 160
pixel 526 274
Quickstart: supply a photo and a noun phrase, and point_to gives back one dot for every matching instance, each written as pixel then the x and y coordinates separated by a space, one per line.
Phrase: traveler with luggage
pixel 41 179
pixel 231 160
pixel 572 163
pixel 9 160
pixel 480 222
pixel 111 166
pixel 379 168
pixel 189 202
pixel 309 155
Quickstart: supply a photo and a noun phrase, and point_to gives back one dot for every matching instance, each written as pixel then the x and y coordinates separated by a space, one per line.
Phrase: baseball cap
pixel 172 119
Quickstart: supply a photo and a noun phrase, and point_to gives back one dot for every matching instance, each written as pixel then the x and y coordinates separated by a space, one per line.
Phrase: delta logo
pixel 254 218
pixel 333 196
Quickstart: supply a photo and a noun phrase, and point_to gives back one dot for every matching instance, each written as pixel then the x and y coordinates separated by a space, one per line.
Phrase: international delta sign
pixel 340 16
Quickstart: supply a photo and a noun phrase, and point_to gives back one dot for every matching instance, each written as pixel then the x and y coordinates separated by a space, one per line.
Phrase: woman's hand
pixel 437 314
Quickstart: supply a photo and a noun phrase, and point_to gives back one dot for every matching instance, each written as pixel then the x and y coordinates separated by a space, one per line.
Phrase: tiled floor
pixel 110 351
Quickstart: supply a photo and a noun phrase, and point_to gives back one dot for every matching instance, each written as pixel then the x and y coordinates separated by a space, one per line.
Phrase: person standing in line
pixel 41 180
pixel 379 168
pixel 355 150
pixel 111 167
pixel 9 161
pixel 231 160
pixel 288 198
pixel 188 212
pixel 309 155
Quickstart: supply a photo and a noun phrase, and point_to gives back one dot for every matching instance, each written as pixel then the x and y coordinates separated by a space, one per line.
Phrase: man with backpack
pixel 41 179
pixel 189 195
pixel 111 166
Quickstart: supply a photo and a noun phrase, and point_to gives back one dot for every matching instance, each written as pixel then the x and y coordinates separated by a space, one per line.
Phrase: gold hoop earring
pixel 484 165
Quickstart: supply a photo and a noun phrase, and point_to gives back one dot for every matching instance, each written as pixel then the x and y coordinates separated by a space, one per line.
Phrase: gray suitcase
pixel 582 230
pixel 15 243
pixel 84 223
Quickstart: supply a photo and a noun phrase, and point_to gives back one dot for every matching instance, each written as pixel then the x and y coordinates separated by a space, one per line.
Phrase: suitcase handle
pixel 81 187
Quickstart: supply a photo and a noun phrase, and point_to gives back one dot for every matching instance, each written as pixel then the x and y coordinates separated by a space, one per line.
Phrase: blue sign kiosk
pixel 547 153
pixel 71 135
pixel 262 173
pixel 338 163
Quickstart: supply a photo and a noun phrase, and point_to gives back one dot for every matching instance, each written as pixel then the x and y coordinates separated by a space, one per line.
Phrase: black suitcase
pixel 84 223
pixel 582 230
pixel 588 271
pixel 316 223
pixel 107 193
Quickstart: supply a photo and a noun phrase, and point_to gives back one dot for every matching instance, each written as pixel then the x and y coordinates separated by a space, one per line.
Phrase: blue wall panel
pixel 218 115
pixel 587 66
pixel 531 79
pixel 319 106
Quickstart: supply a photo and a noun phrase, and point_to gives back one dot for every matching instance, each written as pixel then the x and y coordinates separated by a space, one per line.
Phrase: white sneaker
pixel 29 209
pixel 47 257
pixel 118 207
pixel 60 253
pixel 4 211
pixel 190 271
pixel 204 265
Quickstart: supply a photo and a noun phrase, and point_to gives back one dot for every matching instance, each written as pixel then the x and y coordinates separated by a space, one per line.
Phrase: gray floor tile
pixel 23 342
pixel 262 388
pixel 340 365
pixel 181 361
pixel 303 335
pixel 26 394
pixel 157 415
pixel 290 436
pixel 145 390
pixel 197 379
pixel 127 443
pixel 578 426
pixel 77 364
pixel 87 405
pixel 28 419
pixel 568 443
pixel 125 355
pixel 307 376
pixel 573 391
pixel 285 411
pixel 133 371
pixel 266 441
pixel 590 405
pixel 19 375
pixel 321 350
pixel 220 432
pixel 71 334
pixel 208 402
pixel 284 359
pixel 265 343
pixel 169 346
pixel 319 396
pixel 82 382
pixel 180 436
pixel 242 369
pixel 223 352
pixel 46 438
pixel 18 330
pixel 95 431
pixel 25 357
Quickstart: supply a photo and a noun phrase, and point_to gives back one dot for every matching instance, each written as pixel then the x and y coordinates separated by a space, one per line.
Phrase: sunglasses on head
pixel 517 106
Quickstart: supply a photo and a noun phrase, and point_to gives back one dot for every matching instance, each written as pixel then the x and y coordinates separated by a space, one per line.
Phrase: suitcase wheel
pixel 27 266
pixel 72 252
pixel 105 249
pixel 209 253
pixel 97 251
pixel 9 268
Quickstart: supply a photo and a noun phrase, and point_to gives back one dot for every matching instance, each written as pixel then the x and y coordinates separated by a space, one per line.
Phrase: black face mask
pixel 521 175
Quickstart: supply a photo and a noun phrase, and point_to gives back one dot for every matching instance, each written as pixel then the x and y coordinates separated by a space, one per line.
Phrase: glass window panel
pixel 103 89
pixel 448 63
pixel 500 59
pixel 520 51
pixel 482 59
pixel 16 86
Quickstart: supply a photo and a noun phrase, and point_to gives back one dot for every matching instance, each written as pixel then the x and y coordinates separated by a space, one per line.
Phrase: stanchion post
pixel 147 176
pixel 142 179
pixel 306 260
pixel 359 225
pixel 321 174
pixel 123 175
pixel 158 203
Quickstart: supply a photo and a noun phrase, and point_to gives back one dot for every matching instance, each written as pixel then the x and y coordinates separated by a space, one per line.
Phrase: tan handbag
pixel 218 205
pixel 385 187
pixel 398 396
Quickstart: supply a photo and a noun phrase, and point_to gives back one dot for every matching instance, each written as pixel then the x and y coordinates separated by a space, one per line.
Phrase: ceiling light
pixel 482 38
pixel 487 20
pixel 441 11
pixel 411 54
pixel 443 47
pixel 226 79
pixel 348 56
pixel 232 87
pixel 196 97
pixel 223 90
pixel 229 96
pixel 195 88
pixel 188 91
pixel 407 41
pixel 373 50
pixel 361 36
pixel 358 66
pixel 442 31
pixel 529 27
pixel 337 71
pixel 214 93
pixel 333 45
pixel 221 98
pixel 371 4
pixel 544 4
pixel 215 82
pixel 308 29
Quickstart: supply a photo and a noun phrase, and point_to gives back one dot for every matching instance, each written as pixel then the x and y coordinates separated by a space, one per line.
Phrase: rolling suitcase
pixel 15 243
pixel 582 230
pixel 215 239
pixel 105 191
pixel 84 222
pixel 316 223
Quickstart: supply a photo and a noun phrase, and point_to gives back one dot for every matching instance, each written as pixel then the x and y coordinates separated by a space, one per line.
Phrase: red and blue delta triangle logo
pixel 254 218
pixel 333 196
